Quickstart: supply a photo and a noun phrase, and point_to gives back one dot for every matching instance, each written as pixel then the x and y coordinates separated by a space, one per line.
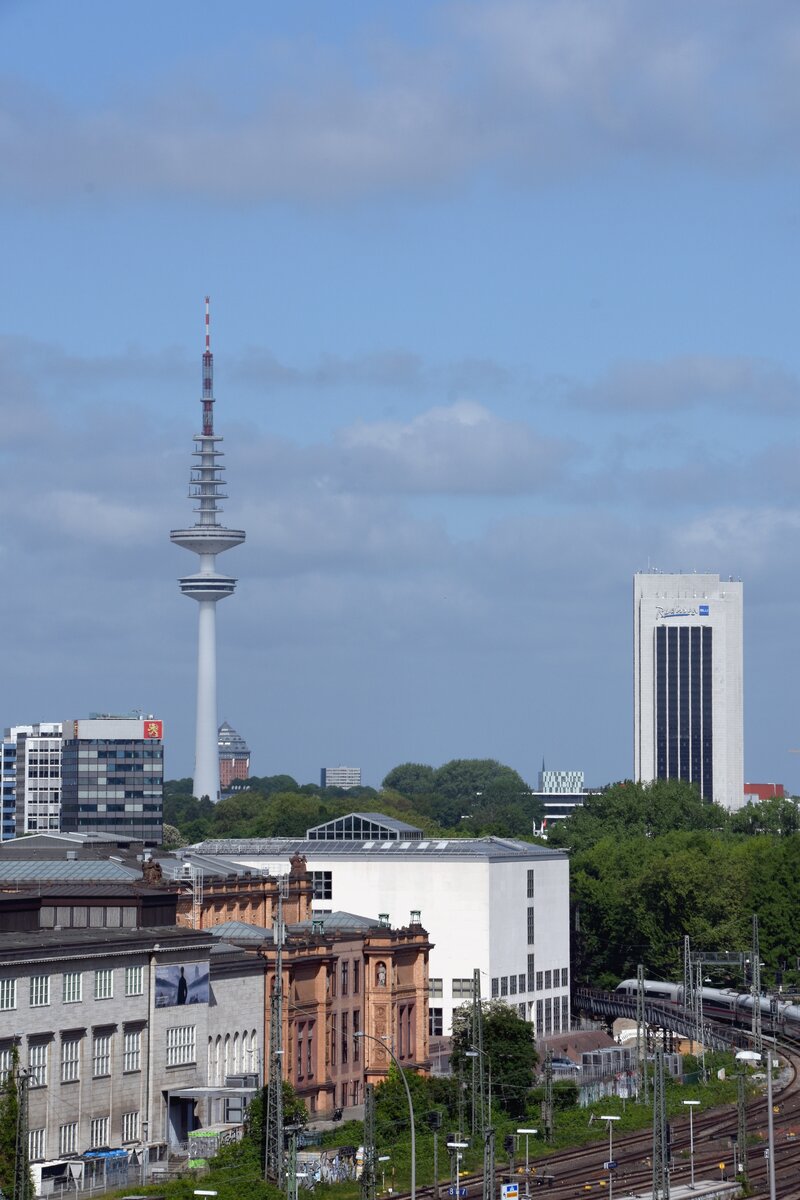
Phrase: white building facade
pixel 495 904
pixel 688 683
pixel 31 778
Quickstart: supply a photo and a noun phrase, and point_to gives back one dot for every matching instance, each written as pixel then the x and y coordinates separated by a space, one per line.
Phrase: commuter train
pixel 722 1004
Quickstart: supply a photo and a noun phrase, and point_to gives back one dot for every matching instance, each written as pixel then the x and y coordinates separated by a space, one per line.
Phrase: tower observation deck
pixel 207 538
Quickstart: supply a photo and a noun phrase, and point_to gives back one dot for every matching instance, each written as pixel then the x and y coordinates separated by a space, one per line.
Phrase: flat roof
pixel 99 870
pixel 49 943
pixel 457 849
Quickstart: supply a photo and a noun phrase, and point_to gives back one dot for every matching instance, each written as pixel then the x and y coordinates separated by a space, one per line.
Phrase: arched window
pixel 217 1063
pixel 226 1059
pixel 235 1061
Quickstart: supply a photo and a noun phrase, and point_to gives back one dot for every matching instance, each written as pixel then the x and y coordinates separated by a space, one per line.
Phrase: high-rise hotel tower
pixel 207 538
pixel 688 711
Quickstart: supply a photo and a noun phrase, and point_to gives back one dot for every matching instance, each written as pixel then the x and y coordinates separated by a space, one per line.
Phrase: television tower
pixel 207 538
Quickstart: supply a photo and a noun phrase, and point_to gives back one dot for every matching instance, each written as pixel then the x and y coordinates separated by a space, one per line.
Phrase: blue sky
pixel 505 299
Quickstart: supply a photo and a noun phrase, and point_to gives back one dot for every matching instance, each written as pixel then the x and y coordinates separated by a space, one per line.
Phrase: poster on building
pixel 185 984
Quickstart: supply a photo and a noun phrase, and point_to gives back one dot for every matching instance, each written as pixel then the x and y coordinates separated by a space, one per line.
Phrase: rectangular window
pixel 435 987
pixel 565 977
pixel 356 1040
pixel 503 985
pixel 6 1059
pixel 556 1015
pixel 181 1045
pixel 333 1041
pixel 132 1050
pixel 40 990
pixel 539 980
pixel 539 1018
pixel 68 1138
pixel 101 1054
pixel 133 981
pixel 35 1144
pixel 548 1015
pixel 356 976
pixel 345 977
pixel 530 884
pixel 495 987
pixel 8 993
pixel 435 1022
pixel 103 984
pixel 345 1037
pixel 130 1126
pixel 512 985
pixel 548 980
pixel 564 1013
pixel 72 987
pixel 531 973
pixel 462 989
pixel 522 984
pixel 310 1051
pixel 531 925
pixel 322 885
pixel 98 1132
pixel 37 1062
pixel 70 1060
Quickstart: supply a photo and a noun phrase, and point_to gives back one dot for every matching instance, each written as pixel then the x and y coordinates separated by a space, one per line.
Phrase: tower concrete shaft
pixel 207 538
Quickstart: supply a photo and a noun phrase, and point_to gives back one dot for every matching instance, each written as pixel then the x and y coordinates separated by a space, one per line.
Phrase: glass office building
pixel 112 777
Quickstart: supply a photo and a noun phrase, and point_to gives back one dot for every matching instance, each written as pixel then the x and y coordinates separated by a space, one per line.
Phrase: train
pixel 722 1004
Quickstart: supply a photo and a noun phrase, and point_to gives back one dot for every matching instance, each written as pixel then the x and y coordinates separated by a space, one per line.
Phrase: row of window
pixel 552 1017
pixel 99 1129
pixel 180 1050
pixel 72 991
pixel 230 1055
pixel 509 985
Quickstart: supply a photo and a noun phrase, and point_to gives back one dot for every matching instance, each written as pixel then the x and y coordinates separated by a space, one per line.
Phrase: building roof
pixel 41 870
pixel 357 826
pixel 493 849
pixel 335 922
pixel 49 943
pixel 230 742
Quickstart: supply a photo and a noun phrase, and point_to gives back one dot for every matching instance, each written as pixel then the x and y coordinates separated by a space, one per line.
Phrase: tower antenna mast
pixel 207 538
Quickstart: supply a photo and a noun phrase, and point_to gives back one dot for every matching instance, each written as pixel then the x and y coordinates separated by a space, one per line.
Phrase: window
pixel 133 981
pixel 35 1143
pixel 356 1040
pixel 98 1132
pixel 435 987
pixel 503 985
pixel 521 1011
pixel 37 1062
pixel 72 987
pixel 548 1015
pixel 462 989
pixel 531 926
pixel 101 1054
pixel 356 976
pixel 6 1059
pixel 556 1015
pixel 40 990
pixel 564 977
pixel 310 1050
pixel 345 1037
pixel 530 884
pixel 548 980
pixel 8 993
pixel 435 1022
pixel 68 1138
pixel 132 1050
pixel 564 1013
pixel 103 984
pixel 181 1045
pixel 130 1126
pixel 531 972
pixel 495 987
pixel 522 984
pixel 539 1018
pixel 333 1041
pixel 70 1059
pixel 345 976
pixel 539 980
pixel 322 885
pixel 512 985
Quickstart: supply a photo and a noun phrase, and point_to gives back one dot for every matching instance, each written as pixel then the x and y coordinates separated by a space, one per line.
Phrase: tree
pixel 410 779
pixel 509 1043
pixel 171 837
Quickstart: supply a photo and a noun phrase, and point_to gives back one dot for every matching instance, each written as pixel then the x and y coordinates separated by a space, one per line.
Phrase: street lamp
pixel 383 1158
pixel 610 1119
pixel 455 1149
pixel 528 1133
pixel 691 1105
pixel 381 1042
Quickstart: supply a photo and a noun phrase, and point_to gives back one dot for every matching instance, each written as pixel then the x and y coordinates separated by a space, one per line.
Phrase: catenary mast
pixel 207 538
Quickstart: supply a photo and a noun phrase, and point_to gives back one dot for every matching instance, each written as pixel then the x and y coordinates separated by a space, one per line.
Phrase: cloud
pixel 529 89
pixel 691 381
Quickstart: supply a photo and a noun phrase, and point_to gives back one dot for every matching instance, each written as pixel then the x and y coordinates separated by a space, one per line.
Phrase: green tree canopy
pixel 509 1046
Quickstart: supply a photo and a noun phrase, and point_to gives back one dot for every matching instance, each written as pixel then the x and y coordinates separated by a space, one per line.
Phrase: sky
pixel 505 300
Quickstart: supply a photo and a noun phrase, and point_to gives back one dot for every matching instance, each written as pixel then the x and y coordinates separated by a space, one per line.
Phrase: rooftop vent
pixel 384 919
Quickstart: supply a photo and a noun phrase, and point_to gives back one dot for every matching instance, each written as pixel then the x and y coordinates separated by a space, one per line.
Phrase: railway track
pixel 579 1172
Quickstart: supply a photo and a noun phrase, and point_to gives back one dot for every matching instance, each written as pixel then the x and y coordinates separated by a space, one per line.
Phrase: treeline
pixel 462 798
pixel 652 863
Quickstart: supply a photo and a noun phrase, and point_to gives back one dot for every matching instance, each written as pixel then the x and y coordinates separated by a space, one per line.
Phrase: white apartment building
pixel 495 904
pixel 31 778
pixel 340 777
pixel 688 683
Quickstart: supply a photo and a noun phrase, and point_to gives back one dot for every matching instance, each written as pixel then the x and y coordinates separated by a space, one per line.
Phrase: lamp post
pixel 770 1128
pixel 383 1158
pixel 691 1105
pixel 455 1149
pixel 743 1057
pixel 610 1121
pixel 527 1133
pixel 380 1041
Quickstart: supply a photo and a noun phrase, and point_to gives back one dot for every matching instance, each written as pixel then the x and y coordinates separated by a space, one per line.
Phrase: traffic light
pixel 434 1119
pixel 508 1143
